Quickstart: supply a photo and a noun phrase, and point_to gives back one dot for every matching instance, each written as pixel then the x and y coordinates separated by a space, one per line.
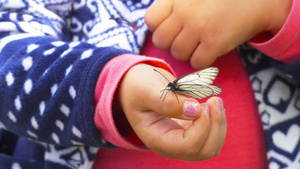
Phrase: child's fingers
pixel 183 143
pixel 185 44
pixel 202 139
pixel 209 146
pixel 165 34
pixel 204 55
pixel 218 127
pixel 210 48
pixel 205 138
pixel 157 13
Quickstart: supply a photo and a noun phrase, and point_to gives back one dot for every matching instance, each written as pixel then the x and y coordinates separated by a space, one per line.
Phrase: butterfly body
pixel 197 85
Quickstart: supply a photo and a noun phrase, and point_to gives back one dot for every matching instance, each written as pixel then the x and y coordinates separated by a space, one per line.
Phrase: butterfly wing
pixel 200 91
pixel 198 84
pixel 204 77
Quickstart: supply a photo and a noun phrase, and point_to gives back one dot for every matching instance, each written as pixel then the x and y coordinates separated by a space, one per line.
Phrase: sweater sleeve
pixel 110 77
pixel 47 88
pixel 47 83
pixel 284 46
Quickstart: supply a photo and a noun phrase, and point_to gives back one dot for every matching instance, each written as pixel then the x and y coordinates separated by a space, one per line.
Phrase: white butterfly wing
pixel 204 77
pixel 200 91
pixel 198 84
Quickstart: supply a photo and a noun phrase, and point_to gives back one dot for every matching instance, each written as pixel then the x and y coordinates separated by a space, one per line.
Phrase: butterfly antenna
pixel 162 74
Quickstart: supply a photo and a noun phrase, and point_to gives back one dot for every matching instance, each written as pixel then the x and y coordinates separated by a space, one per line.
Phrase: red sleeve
pixel 284 46
pixel 107 84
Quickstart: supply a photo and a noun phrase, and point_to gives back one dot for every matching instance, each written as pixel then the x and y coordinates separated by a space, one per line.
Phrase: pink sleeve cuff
pixel 107 84
pixel 284 46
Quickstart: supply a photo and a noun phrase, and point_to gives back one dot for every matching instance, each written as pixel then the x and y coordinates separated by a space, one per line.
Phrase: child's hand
pixel 202 30
pixel 195 132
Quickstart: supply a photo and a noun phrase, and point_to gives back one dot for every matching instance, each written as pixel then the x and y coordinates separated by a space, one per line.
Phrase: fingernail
pixel 220 104
pixel 191 108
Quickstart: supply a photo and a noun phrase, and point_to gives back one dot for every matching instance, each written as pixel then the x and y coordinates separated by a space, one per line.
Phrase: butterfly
pixel 196 85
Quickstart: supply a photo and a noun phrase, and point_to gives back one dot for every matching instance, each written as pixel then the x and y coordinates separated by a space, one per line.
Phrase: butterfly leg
pixel 165 94
pixel 163 91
